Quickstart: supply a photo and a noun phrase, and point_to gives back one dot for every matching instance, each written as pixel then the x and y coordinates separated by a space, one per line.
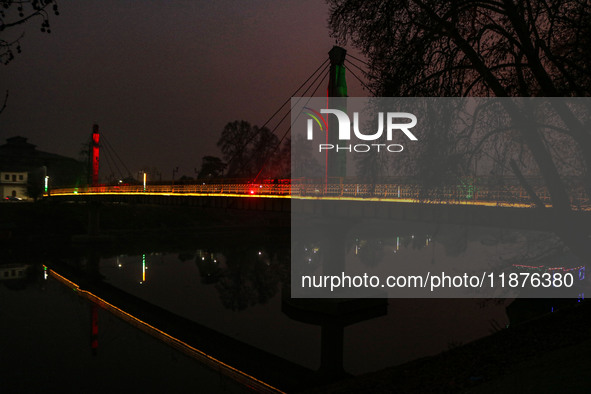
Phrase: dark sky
pixel 160 77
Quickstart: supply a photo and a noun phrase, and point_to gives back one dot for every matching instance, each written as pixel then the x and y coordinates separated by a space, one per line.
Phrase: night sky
pixel 160 77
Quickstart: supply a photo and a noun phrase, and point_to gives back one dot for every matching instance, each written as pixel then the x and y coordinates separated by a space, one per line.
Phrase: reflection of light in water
pixel 143 268
pixel 540 268
pixel 397 243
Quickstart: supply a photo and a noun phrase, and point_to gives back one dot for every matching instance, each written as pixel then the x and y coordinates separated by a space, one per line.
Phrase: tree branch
pixel 4 103
pixel 530 191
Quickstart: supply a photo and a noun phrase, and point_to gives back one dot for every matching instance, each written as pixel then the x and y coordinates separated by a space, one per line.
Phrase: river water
pixel 235 283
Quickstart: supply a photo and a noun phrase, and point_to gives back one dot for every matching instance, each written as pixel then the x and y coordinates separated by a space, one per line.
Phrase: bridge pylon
pixel 93 157
pixel 336 161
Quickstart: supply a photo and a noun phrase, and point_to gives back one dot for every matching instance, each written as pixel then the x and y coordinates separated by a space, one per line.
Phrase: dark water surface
pixel 234 283
pixel 45 346
pixel 240 295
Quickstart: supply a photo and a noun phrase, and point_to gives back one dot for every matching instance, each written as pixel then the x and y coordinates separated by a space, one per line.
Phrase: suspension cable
pixel 108 156
pixel 326 68
pixel 116 155
pixel 325 65
pixel 108 161
pixel 360 81
pixel 359 60
pixel 294 93
pixel 289 128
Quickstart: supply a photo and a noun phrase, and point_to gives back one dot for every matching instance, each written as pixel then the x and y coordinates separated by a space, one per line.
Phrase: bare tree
pixel 489 48
pixel 247 149
pixel 485 48
pixel 211 167
pixel 468 47
pixel 14 13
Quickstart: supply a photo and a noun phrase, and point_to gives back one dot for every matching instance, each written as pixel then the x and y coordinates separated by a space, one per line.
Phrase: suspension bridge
pixel 335 185
pixel 308 189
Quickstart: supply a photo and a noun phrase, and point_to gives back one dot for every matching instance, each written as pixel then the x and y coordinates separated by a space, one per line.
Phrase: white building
pixel 13 271
pixel 13 184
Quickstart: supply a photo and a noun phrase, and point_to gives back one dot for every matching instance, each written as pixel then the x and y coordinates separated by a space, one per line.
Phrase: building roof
pixel 17 149
pixel 19 155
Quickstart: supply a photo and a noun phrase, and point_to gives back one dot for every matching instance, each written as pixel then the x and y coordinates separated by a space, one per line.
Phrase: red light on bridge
pixel 94 164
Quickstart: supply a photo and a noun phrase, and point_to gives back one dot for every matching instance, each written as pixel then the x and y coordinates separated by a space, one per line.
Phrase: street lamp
pixel 174 171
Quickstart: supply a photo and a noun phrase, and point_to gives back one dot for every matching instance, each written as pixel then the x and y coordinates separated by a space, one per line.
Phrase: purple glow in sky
pixel 160 77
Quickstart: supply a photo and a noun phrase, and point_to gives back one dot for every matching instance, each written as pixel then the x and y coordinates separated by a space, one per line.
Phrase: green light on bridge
pixel 467 188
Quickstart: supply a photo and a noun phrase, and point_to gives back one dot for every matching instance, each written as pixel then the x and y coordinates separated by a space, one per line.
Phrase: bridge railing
pixel 509 195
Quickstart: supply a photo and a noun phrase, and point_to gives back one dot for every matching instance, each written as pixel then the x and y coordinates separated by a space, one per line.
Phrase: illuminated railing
pixel 481 195
pixel 241 377
pixel 238 189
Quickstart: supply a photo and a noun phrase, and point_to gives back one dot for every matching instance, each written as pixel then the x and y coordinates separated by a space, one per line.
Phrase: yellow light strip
pixel 69 192
pixel 170 194
pixel 413 201
pixel 210 361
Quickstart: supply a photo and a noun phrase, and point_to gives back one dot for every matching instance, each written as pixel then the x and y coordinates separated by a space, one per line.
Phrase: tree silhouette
pixel 490 48
pixel 211 167
pixel 18 12
pixel 248 149
pixel 15 13
pixel 470 48
pixel 233 143
pixel 482 48
pixel 250 277
pixel 281 162
pixel 303 163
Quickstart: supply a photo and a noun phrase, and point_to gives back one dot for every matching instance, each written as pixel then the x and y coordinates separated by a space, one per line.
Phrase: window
pixel 20 177
pixel 6 177
pixel 13 177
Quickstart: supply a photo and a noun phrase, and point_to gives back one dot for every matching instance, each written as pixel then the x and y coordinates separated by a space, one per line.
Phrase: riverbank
pixel 51 226
pixel 548 354
pixel 72 218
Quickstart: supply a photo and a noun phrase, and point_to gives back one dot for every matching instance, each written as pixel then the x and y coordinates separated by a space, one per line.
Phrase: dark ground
pixel 550 354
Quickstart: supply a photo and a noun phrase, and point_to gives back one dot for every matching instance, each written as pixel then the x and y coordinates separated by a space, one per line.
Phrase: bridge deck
pixel 508 197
